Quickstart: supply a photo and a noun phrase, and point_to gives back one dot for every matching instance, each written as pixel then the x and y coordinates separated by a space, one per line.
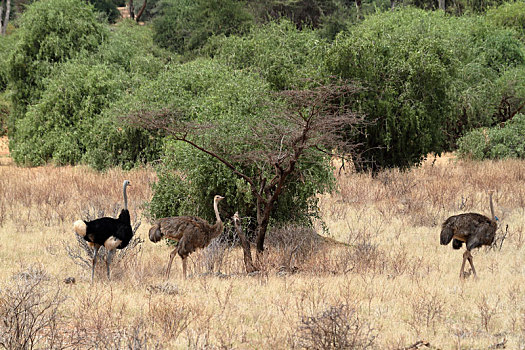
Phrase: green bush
pixel 427 79
pixel 510 94
pixel 130 48
pixel 5 110
pixel 183 26
pixel 7 45
pixel 509 15
pixel 500 50
pixel 112 143
pixel 495 143
pixel 206 91
pixel 76 118
pixel 282 54
pixel 405 61
pixel 51 32
pixel 489 82
pixel 59 125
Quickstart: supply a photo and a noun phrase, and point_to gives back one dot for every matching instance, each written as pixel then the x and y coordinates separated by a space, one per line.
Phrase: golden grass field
pixel 390 286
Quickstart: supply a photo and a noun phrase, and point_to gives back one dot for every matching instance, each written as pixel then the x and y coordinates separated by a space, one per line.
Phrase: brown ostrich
pixel 475 230
pixel 190 233
pixel 248 262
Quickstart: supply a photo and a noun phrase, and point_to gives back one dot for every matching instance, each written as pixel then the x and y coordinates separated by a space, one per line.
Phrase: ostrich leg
pixel 95 252
pixel 462 271
pixel 470 260
pixel 184 261
pixel 108 260
pixel 172 255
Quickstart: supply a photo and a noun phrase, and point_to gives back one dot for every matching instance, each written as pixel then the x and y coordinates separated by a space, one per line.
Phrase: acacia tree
pixel 309 126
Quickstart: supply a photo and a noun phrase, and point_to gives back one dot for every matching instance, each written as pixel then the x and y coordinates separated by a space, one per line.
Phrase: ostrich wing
pixel 124 233
pixel 463 226
pixel 175 227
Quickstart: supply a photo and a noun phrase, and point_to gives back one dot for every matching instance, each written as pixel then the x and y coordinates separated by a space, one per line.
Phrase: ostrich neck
pixel 125 197
pixel 216 208
pixel 492 208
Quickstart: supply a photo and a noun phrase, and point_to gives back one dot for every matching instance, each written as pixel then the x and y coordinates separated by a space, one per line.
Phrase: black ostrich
pixel 190 233
pixel 475 230
pixel 108 232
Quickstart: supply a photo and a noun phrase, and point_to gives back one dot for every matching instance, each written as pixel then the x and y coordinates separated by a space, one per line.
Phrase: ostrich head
pixel 155 234
pixel 236 218
pixel 218 198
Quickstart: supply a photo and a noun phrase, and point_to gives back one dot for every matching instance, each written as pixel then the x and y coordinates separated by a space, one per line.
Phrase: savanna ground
pixel 389 286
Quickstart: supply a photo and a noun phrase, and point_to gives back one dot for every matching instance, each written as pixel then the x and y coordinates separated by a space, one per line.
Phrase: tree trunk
pixel 1 11
pixel 261 234
pixel 131 10
pixel 392 4
pixel 248 262
pixel 141 10
pixel 6 18
pixel 358 8
pixel 441 4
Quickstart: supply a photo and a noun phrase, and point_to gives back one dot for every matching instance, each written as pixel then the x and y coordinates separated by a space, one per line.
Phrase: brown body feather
pixel 475 230
pixel 471 228
pixel 190 233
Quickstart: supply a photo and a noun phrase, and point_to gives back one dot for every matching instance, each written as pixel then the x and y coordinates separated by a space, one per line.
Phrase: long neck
pixel 216 208
pixel 125 196
pixel 492 207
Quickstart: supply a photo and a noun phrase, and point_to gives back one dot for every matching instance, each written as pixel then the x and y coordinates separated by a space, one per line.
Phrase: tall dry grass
pixel 388 285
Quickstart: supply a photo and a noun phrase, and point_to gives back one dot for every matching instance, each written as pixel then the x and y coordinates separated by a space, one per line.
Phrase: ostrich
pixel 111 233
pixel 190 233
pixel 248 262
pixel 475 230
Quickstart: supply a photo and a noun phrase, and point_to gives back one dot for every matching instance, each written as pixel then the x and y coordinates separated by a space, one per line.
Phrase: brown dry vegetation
pixel 390 285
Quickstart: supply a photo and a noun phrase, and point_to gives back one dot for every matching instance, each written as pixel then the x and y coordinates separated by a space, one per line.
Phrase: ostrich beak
pixel 236 217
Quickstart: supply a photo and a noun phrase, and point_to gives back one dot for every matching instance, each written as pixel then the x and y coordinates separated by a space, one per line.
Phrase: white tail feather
pixel 80 227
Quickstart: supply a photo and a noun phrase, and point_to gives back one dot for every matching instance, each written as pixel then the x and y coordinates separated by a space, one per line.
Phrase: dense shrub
pixel 427 79
pixel 184 25
pixel 488 86
pixel 509 15
pixel 507 141
pixel 278 51
pixel 76 118
pixel 59 125
pixel 51 32
pixel 5 110
pixel 7 45
pixel 130 48
pixel 499 49
pixel 405 62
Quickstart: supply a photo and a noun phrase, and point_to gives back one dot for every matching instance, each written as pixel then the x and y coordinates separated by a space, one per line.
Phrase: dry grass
pixel 389 286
